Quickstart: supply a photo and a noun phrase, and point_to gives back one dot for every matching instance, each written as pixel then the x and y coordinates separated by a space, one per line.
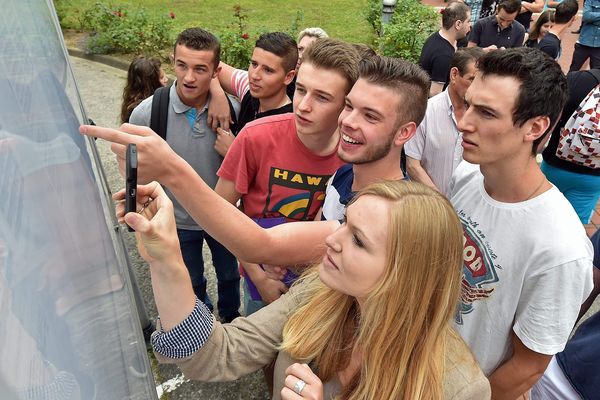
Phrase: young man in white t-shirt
pixel 527 259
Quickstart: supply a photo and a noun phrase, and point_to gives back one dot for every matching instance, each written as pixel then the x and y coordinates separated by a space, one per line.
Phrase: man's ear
pixel 404 133
pixel 216 71
pixel 172 58
pixel 454 72
pixel 289 77
pixel 536 127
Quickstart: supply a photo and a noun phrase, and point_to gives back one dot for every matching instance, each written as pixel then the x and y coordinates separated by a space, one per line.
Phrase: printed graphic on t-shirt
pixel 479 270
pixel 298 195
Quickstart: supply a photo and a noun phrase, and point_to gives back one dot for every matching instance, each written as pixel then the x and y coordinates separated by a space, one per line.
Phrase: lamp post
pixel 387 11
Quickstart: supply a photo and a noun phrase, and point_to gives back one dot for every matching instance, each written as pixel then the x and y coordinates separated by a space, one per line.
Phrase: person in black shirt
pixel 262 89
pixel 528 7
pixel 563 19
pixel 440 47
pixel 542 25
pixel 500 30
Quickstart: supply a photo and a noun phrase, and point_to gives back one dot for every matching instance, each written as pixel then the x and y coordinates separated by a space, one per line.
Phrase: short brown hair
pixel 334 55
pixel 282 45
pixel 199 39
pixel 465 56
pixel 405 78
pixel 455 11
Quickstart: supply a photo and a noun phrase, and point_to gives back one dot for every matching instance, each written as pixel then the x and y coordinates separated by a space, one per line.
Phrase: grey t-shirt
pixel 195 145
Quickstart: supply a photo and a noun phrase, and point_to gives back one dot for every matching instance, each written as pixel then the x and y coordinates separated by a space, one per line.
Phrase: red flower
pixel 245 36
pixel 442 10
pixel 172 15
pixel 117 13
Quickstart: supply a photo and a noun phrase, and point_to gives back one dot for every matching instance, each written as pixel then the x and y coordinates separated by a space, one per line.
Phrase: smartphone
pixel 131 164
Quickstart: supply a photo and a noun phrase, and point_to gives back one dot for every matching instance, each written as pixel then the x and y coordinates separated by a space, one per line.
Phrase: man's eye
pixel 487 114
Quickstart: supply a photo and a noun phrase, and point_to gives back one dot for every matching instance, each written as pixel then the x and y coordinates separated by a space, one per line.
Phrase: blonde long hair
pixel 403 326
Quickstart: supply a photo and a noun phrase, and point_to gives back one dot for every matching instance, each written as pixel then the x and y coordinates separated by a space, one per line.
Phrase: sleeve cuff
pixel 187 337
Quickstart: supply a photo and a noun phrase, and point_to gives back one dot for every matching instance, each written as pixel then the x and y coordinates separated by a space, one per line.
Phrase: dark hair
pixel 510 6
pixel 544 18
pixel 143 78
pixel 565 11
pixel 455 11
pixel 464 56
pixel 543 89
pixel 282 45
pixel 404 77
pixel 334 55
pixel 199 39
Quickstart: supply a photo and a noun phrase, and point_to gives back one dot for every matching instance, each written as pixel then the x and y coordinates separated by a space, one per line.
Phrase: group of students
pixel 509 26
pixel 395 291
pixel 435 152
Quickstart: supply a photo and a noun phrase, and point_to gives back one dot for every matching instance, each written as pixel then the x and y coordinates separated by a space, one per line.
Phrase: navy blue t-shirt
pixel 580 360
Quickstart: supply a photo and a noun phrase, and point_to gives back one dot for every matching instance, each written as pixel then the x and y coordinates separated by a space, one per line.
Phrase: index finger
pixel 129 134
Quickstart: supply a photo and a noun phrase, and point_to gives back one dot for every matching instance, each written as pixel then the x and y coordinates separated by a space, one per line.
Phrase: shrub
pixel 116 29
pixel 373 15
pixel 237 44
pixel 405 35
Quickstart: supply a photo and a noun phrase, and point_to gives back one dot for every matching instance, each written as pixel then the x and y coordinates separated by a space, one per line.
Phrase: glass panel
pixel 68 322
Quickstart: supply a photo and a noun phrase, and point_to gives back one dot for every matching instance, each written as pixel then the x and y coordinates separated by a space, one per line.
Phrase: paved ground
pixel 101 89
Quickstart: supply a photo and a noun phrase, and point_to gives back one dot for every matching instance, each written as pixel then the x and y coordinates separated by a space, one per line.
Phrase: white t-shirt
pixel 527 269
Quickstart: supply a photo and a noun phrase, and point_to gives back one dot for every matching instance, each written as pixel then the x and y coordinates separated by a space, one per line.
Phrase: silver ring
pixel 299 386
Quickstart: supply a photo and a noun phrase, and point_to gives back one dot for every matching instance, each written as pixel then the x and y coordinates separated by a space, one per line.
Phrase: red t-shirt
pixel 275 173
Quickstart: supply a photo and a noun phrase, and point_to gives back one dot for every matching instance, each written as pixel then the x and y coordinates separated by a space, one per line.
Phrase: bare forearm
pixel 512 380
pixel 284 244
pixel 173 293
pixel 436 88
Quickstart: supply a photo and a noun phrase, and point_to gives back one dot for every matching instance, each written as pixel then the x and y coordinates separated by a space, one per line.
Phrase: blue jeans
pixel 581 190
pixel 251 306
pixel 226 268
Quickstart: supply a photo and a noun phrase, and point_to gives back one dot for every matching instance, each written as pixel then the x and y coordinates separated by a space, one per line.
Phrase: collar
pixel 495 23
pixel 178 106
pixel 448 104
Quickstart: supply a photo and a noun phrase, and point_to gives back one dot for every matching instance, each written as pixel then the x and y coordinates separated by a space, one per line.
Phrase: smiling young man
pixel 527 259
pixel 279 165
pixel 381 113
pixel 196 59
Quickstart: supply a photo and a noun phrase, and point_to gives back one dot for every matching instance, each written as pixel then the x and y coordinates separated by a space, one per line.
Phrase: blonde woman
pixel 371 321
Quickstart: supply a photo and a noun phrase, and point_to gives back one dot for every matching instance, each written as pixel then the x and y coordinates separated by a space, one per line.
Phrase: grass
pixel 342 19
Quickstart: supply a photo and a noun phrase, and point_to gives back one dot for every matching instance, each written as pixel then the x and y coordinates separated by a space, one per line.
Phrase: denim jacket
pixel 590 30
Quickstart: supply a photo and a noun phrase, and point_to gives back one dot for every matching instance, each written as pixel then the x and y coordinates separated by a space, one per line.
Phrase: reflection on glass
pixel 68 329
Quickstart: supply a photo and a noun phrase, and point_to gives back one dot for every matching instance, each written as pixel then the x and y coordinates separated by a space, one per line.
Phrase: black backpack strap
pixel 160 111
pixel 233 116
pixel 596 73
